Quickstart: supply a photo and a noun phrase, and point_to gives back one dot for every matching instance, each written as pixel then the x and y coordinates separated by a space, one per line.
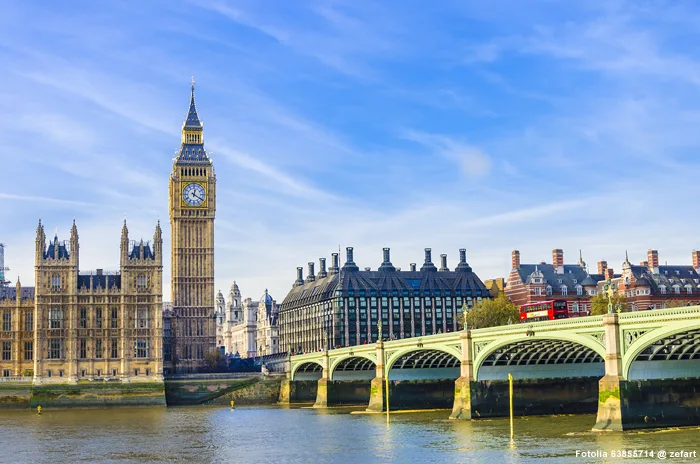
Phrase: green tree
pixel 213 358
pixel 599 303
pixel 491 313
pixel 676 303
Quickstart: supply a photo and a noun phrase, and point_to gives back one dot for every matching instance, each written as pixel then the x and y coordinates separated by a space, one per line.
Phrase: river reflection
pixel 296 435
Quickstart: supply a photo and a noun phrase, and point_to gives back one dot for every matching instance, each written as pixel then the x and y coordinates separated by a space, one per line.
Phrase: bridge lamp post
pixel 465 310
pixel 610 288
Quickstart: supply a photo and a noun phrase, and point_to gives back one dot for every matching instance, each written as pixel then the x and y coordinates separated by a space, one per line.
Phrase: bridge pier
pixel 462 408
pixel 286 384
pixel 322 389
pixel 612 385
pixel 377 385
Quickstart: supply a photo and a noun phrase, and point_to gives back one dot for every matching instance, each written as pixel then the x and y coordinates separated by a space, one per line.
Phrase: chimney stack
pixel 609 274
pixel 462 266
pixel 300 277
pixel 412 267
pixel 311 277
pixel 696 259
pixel 653 258
pixel 443 263
pixel 428 265
pixel 558 260
pixel 335 265
pixel 322 268
pixel 515 259
pixel 602 268
pixel 349 263
pixel 386 265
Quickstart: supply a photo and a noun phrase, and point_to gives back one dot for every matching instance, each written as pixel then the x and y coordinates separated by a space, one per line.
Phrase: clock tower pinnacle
pixel 192 205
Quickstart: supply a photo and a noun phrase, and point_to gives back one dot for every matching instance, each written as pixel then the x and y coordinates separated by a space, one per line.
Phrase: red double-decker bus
pixel 543 311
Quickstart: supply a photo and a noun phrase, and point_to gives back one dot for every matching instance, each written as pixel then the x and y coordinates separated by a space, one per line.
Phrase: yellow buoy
pixel 38 410
pixel 231 404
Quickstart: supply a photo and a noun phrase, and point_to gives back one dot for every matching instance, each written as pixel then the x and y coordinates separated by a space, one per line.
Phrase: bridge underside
pixel 355 368
pixel 540 359
pixel 425 365
pixel 673 357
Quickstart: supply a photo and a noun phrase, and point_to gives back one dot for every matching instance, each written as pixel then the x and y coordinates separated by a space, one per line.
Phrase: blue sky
pixel 488 125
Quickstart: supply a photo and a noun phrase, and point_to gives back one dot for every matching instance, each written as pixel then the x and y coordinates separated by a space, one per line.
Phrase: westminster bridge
pixel 637 369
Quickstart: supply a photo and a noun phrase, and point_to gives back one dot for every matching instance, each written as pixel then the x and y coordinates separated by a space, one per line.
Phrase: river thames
pixel 300 435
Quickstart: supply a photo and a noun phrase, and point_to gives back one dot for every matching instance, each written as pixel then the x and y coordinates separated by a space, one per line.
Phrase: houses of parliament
pixel 97 325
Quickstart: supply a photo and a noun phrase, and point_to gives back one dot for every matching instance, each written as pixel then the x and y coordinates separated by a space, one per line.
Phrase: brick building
pixel 532 283
pixel 650 285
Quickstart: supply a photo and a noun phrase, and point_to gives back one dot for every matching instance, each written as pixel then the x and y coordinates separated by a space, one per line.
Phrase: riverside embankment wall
pixel 185 390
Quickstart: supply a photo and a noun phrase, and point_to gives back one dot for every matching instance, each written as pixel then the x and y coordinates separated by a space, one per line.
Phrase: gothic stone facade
pixel 86 326
pixel 192 204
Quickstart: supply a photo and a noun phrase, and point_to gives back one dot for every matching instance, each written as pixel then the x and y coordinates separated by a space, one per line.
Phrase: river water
pixel 301 435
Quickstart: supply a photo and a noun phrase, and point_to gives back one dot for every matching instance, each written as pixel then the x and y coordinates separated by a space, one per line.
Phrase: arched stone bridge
pixel 631 354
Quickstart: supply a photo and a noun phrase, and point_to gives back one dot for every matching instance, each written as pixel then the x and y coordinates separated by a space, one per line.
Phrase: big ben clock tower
pixel 192 203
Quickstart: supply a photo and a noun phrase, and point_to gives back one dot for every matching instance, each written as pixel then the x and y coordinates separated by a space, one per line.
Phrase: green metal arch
pixel 340 359
pixel 397 355
pixel 643 342
pixel 588 342
pixel 301 363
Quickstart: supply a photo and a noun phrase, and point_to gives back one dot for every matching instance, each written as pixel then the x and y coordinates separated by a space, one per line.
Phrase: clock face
pixel 193 194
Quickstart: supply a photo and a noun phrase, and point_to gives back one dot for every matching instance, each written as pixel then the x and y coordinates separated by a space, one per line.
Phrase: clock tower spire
pixel 192 208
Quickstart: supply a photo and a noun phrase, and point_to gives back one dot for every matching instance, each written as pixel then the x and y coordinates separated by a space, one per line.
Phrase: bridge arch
pixel 353 367
pixel 549 349
pixel 441 358
pixel 307 370
pixel 677 340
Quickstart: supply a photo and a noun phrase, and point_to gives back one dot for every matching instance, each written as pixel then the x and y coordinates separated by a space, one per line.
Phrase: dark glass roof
pixel 99 281
pixel 461 282
pixel 572 272
pixel 10 293
pixel 62 249
pixel 147 252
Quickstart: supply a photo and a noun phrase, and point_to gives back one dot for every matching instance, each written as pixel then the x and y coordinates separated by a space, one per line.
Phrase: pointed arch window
pixel 55 282
pixel 141 281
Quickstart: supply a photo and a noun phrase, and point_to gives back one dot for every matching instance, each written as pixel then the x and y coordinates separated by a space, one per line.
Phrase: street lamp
pixel 610 288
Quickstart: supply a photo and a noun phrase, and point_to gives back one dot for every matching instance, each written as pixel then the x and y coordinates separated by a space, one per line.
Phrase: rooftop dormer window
pixel 549 290
pixel 564 290
pixel 662 289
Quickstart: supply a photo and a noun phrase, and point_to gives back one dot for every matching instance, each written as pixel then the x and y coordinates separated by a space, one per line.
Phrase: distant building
pixel 346 306
pixel 531 283
pixel 267 340
pixel 495 286
pixel 240 327
pixel 220 314
pixel 653 286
